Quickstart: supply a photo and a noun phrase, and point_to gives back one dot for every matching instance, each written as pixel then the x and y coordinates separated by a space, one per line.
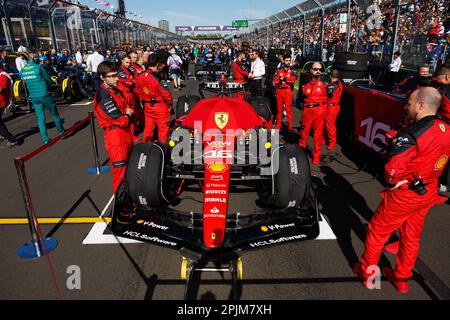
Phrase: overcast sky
pixel 200 12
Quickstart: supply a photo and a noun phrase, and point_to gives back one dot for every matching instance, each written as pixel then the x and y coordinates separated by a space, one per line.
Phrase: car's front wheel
pixel 290 179
pixel 145 182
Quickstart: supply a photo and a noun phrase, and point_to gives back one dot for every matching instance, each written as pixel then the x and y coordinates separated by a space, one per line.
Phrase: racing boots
pixel 361 275
pixel 400 284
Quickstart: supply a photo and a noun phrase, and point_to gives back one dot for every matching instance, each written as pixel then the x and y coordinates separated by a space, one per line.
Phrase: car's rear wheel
pixel 290 183
pixel 145 183
pixel 185 105
pixel 262 107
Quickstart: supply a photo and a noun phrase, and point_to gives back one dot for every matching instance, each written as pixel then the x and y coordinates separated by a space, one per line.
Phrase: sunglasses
pixel 114 75
pixel 317 69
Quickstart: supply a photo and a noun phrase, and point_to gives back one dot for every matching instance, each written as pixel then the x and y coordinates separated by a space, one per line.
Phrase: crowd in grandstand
pixel 421 33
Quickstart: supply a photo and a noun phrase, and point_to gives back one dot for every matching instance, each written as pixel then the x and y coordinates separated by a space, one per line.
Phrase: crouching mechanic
pixel 418 157
pixel 115 117
pixel 156 100
pixel 283 81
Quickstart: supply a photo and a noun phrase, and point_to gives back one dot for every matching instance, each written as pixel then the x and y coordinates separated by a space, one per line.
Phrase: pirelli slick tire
pixel 145 183
pixel 262 106
pixel 351 61
pixel 185 105
pixel 19 91
pixel 290 183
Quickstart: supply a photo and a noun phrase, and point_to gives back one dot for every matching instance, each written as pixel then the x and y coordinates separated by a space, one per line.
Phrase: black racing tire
pixel 19 93
pixel 290 183
pixel 75 93
pixel 351 61
pixel 349 76
pixel 145 183
pixel 185 105
pixel 262 106
pixel 345 122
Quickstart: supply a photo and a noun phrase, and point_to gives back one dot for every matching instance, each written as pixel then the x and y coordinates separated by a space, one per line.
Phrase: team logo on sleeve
pixel 441 163
pixel 442 127
pixel 221 119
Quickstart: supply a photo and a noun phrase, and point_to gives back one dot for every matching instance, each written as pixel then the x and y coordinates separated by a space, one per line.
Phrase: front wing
pixel 184 230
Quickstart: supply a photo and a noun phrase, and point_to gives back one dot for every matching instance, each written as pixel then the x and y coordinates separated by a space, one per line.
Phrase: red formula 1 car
pixel 220 145
pixel 368 112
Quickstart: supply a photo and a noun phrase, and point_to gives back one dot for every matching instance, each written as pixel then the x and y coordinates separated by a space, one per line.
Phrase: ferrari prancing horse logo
pixel 221 119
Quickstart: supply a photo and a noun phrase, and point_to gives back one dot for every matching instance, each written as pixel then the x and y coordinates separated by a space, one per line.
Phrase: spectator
pixel 174 62
pixel 5 101
pixel 92 63
pixel 3 64
pixel 79 56
pixel 257 72
pixel 394 68
pixel 21 61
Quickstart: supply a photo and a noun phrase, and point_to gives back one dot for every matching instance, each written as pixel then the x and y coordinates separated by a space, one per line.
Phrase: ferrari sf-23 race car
pixel 218 146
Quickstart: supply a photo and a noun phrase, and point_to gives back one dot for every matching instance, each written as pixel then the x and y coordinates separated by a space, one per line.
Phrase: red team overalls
pixel 333 108
pixel 239 76
pixel 110 109
pixel 138 69
pixel 422 149
pixel 315 105
pixel 444 110
pixel 156 101
pixel 283 81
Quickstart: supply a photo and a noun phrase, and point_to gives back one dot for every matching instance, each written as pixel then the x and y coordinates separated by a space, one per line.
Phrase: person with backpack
pixel 174 63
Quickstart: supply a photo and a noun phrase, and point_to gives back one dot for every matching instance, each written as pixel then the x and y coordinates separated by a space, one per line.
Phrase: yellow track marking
pixel 83 220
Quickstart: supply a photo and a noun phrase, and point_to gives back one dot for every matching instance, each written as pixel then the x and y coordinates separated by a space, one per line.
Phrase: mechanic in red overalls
pixel 441 81
pixel 239 73
pixel 283 81
pixel 315 105
pixel 135 67
pixel 115 116
pixel 126 85
pixel 418 157
pixel 334 90
pixel 156 100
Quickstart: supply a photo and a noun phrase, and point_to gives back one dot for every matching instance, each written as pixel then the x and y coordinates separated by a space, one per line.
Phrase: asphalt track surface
pixel 313 270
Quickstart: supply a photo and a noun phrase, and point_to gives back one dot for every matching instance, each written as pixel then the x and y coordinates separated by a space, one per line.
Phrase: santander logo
pixel 214 210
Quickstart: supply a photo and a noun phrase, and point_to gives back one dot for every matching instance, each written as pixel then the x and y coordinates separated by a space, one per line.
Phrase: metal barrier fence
pixel 38 24
pixel 380 27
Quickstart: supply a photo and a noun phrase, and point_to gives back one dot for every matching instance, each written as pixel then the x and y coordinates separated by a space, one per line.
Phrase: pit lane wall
pixel 38 24
pixel 380 27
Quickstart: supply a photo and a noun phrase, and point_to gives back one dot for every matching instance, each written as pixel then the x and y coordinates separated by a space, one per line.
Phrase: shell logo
pixel 217 167
pixel 264 229
pixel 441 163
pixel 140 221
